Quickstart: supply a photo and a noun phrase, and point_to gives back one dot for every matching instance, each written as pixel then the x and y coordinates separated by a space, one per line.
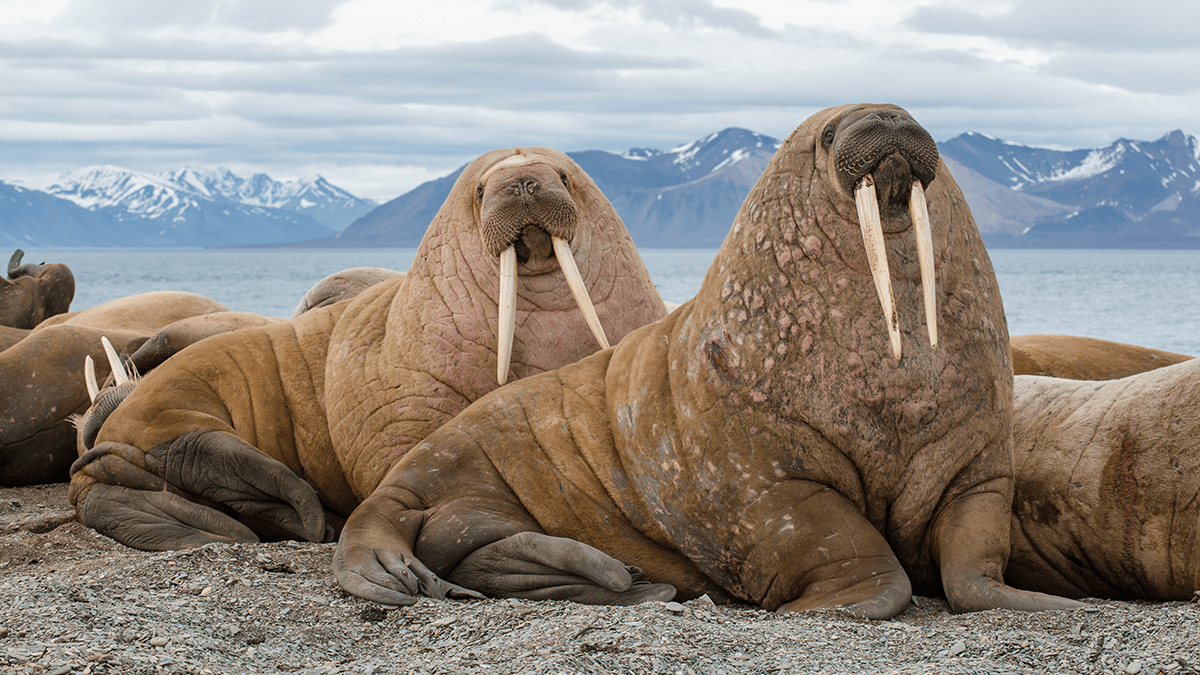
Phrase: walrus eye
pixel 563 175
pixel 479 192
pixel 827 135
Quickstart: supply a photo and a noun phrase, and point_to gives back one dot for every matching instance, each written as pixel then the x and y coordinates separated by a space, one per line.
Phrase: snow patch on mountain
pixel 1096 163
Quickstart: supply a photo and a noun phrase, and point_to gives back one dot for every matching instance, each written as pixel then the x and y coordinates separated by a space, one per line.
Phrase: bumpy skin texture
pixel 34 293
pixel 276 431
pixel 41 377
pixel 1082 358
pixel 1107 499
pixel 761 439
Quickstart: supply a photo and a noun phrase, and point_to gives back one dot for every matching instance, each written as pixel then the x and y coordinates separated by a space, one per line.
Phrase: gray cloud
pixel 677 14
pixel 252 15
pixel 1162 25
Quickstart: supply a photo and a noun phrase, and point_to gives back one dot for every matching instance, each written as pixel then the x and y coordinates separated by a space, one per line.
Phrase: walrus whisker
pixel 920 219
pixel 114 362
pixel 89 377
pixel 507 309
pixel 872 231
pixel 566 260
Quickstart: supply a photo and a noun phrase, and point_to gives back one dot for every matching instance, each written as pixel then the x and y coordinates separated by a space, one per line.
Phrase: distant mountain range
pixel 192 206
pixel 1131 194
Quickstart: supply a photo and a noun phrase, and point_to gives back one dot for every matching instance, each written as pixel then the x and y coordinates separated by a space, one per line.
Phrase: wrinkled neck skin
pixel 427 348
pixel 781 368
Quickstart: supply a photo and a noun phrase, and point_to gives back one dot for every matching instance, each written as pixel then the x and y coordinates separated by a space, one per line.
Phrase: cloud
pixel 676 14
pixel 250 15
pixel 1163 25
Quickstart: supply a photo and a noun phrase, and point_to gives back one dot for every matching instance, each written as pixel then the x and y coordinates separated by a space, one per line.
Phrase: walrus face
pixel 881 151
pixel 527 214
pixel 104 401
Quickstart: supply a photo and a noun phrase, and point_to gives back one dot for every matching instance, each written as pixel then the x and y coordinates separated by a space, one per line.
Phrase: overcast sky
pixel 381 95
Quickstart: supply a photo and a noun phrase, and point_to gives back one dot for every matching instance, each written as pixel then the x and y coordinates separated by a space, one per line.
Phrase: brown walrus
pixel 217 443
pixel 778 436
pixel 40 383
pixel 1083 358
pixel 33 293
pixel 342 286
pixel 1107 500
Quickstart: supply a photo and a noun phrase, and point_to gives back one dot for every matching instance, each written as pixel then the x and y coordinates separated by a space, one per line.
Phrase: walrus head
pixel 527 215
pixel 882 157
pixel 33 293
pixel 104 401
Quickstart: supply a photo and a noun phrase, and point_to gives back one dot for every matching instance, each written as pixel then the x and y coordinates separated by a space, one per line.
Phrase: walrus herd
pixel 832 422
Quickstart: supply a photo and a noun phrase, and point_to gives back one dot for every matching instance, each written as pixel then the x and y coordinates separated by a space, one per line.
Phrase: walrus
pixel 341 286
pixel 1083 358
pixel 1107 500
pixel 282 430
pixel 778 437
pixel 33 293
pixel 40 383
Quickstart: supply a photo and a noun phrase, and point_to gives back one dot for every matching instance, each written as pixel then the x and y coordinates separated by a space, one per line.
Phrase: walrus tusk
pixel 562 251
pixel 508 314
pixel 118 369
pixel 872 231
pixel 920 219
pixel 89 377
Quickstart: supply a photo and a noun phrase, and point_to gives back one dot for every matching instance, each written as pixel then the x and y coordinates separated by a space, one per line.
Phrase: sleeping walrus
pixel 40 386
pixel 1107 500
pixel 1083 358
pixel 217 443
pixel 778 436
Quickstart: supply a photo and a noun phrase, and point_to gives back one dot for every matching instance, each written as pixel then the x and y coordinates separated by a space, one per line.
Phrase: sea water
pixel 1146 298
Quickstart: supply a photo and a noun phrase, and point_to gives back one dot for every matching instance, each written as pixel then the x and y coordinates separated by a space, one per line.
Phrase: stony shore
pixel 72 601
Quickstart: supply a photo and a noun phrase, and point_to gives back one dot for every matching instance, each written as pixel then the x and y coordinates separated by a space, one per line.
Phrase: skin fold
pixel 41 382
pixel 1083 358
pixel 1107 497
pixel 280 431
pixel 767 441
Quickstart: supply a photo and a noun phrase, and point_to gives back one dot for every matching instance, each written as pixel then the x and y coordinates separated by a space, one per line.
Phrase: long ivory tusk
pixel 562 251
pixel 872 231
pixel 508 314
pixel 920 219
pixel 89 377
pixel 118 369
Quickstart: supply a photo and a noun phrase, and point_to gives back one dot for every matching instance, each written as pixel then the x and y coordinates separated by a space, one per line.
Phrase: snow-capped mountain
pixel 34 218
pixel 206 202
pixel 1131 193
pixel 685 196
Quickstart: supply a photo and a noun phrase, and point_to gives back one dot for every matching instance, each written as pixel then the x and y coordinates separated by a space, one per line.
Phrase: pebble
pixel 3 631
pixel 958 648
pixel 206 592
pixel 159 641
pixel 1134 667
pixel 674 607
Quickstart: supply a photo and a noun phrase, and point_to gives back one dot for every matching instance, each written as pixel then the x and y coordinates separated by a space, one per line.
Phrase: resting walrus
pixel 33 293
pixel 40 383
pixel 217 443
pixel 777 436
pixel 1107 500
pixel 1083 358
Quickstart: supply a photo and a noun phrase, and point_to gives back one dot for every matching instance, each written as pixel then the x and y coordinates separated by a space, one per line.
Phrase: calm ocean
pixel 1147 298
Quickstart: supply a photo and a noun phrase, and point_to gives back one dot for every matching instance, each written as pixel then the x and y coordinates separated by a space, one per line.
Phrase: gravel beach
pixel 73 601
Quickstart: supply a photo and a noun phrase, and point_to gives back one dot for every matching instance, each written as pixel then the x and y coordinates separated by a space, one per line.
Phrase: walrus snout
pixel 867 139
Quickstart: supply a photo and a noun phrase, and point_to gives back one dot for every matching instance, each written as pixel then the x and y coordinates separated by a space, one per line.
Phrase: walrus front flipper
pixel 225 469
pixel 967 542
pixel 156 521
pixel 536 566
pixel 374 558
